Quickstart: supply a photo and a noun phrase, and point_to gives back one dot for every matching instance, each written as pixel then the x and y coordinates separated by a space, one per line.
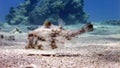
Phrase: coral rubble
pixel 36 11
pixel 15 31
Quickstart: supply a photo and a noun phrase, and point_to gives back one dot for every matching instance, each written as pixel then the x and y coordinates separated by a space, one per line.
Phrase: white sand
pixel 84 51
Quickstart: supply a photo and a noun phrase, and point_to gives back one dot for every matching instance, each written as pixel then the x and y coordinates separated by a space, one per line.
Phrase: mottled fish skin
pixel 45 38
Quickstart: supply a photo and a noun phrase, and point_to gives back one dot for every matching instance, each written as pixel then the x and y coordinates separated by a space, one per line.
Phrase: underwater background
pixel 98 10
pixel 30 14
pixel 85 34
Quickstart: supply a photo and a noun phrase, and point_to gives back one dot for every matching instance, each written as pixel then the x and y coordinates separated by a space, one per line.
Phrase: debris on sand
pixel 16 31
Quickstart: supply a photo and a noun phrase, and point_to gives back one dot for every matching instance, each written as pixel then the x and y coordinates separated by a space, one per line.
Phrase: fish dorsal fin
pixel 61 23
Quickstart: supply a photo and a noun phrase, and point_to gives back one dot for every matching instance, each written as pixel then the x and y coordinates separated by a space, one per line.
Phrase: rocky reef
pixel 112 22
pixel 37 11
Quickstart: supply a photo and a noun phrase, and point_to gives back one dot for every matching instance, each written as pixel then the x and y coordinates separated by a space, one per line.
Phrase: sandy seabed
pixel 89 50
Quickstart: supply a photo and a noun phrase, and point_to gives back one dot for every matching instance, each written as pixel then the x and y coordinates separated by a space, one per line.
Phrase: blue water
pixel 99 10
pixel 5 7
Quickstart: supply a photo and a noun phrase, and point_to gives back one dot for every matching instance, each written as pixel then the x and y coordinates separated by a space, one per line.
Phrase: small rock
pixel 1 36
